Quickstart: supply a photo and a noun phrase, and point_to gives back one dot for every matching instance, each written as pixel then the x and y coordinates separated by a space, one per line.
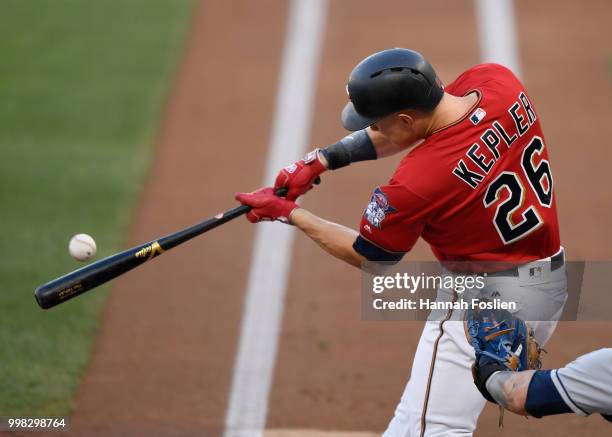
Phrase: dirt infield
pixel 163 360
pixel 162 363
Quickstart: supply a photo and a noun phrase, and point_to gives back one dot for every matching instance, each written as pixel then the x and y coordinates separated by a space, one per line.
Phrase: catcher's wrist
pixel 493 387
pixel 482 372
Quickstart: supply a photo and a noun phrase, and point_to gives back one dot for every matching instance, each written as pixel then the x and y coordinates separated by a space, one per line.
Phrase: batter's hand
pixel 300 176
pixel 266 205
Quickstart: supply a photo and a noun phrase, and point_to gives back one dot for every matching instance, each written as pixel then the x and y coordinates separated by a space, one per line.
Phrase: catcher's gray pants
pixel 440 398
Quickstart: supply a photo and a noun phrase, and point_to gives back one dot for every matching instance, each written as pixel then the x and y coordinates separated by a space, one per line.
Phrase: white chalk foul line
pixel 497 33
pixel 263 308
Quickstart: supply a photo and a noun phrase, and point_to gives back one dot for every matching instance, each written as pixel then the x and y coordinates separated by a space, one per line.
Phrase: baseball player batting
pixel 475 183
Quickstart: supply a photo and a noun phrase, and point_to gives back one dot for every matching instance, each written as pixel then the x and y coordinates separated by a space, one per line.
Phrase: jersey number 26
pixel 509 231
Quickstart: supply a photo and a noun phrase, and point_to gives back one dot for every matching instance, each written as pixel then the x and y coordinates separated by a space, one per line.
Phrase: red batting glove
pixel 266 205
pixel 299 177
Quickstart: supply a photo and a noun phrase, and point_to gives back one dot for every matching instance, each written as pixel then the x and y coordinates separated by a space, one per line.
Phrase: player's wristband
pixel 543 398
pixel 483 369
pixel 353 148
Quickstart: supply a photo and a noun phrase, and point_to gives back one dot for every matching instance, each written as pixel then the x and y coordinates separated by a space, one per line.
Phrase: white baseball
pixel 82 247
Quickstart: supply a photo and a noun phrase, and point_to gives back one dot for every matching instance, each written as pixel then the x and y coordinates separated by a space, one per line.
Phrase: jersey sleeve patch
pixel 378 208
pixel 393 220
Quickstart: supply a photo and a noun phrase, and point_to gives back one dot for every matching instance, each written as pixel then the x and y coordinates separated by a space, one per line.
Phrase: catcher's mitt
pixel 502 343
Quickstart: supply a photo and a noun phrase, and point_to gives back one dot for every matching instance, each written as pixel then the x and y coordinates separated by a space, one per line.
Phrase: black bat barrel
pixel 84 279
pixel 93 275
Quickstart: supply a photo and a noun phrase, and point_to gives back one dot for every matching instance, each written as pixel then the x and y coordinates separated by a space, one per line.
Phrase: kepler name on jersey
pixel 481 156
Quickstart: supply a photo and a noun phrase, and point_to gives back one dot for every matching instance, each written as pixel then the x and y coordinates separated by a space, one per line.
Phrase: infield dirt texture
pixel 162 363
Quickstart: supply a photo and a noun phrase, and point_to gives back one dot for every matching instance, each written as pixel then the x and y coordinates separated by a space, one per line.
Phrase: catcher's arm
pixel 509 389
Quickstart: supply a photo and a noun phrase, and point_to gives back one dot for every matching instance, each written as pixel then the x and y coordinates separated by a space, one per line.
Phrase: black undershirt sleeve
pixel 353 148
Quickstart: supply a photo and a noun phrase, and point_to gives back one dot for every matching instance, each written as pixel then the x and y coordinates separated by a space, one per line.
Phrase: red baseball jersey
pixel 478 189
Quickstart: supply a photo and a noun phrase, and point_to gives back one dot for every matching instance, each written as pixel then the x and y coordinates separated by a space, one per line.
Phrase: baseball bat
pixel 91 276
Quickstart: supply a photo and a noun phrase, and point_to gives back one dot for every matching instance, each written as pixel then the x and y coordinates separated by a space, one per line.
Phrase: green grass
pixel 82 85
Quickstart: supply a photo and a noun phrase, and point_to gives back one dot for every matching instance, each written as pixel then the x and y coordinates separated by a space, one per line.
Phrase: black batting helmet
pixel 387 82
